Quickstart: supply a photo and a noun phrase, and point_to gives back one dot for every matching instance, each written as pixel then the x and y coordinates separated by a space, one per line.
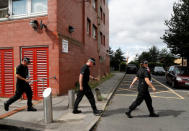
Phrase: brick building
pixel 58 36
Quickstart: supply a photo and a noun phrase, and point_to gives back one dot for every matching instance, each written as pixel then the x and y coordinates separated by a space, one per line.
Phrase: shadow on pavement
pixel 13 128
pixel 174 113
pixel 162 113
pixel 12 125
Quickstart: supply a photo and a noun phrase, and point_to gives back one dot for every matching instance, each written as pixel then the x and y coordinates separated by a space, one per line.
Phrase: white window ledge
pixel 22 17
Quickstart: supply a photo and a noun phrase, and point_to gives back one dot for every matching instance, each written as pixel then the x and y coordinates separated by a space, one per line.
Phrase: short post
pixel 71 99
pixel 98 94
pixel 47 105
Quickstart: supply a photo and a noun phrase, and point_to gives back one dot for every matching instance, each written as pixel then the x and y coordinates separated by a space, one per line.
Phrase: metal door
pixel 38 69
pixel 6 73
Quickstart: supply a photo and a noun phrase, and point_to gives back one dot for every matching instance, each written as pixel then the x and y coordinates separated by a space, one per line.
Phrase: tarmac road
pixel 172 106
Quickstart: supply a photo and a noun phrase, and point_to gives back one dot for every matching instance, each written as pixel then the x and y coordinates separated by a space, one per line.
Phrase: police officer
pixel 144 77
pixel 85 88
pixel 22 85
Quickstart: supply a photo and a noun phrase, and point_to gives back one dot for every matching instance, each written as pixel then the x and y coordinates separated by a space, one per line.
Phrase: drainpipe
pixel 83 12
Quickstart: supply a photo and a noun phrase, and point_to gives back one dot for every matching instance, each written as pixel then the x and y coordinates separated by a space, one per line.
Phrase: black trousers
pixel 88 93
pixel 20 89
pixel 143 94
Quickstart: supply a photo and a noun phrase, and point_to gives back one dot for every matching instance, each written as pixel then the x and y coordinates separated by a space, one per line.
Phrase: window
pixel 104 18
pixel 94 4
pixel 38 6
pixel 101 14
pixel 101 38
pixel 19 7
pixel 3 8
pixel 94 32
pixel 104 40
pixel 88 26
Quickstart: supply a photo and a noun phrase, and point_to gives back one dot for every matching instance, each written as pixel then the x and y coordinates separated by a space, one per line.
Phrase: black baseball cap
pixel 92 60
pixel 27 60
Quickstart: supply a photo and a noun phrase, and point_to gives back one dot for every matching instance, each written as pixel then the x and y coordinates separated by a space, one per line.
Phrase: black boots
pixel 31 109
pixel 6 106
pixel 97 112
pixel 76 111
pixel 128 113
pixel 153 115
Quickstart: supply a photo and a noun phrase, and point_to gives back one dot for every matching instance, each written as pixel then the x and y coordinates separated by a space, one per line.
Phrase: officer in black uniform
pixel 22 85
pixel 85 88
pixel 144 77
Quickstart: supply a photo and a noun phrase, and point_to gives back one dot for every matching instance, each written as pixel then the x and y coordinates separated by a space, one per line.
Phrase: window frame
pixel 94 5
pixel 7 9
pixel 11 9
pixel 28 11
pixel 101 38
pixel 101 13
pixel 88 26
pixel 104 40
pixel 37 12
pixel 94 29
pixel 104 18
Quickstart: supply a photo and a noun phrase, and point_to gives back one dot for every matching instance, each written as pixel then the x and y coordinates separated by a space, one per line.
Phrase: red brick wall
pixel 66 66
pixel 81 45
pixel 19 33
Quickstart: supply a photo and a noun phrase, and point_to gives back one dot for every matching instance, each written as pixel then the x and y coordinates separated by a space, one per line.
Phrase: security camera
pixel 34 24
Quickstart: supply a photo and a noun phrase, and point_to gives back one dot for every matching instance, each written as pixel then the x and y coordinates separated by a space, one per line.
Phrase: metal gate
pixel 38 69
pixel 6 73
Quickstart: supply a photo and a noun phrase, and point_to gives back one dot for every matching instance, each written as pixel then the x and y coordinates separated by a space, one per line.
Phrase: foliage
pixel 177 35
pixel 166 58
pixel 116 59
pixel 151 55
pixel 155 57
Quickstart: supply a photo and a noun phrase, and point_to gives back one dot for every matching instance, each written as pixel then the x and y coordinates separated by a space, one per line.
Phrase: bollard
pixel 47 105
pixel 71 99
pixel 98 94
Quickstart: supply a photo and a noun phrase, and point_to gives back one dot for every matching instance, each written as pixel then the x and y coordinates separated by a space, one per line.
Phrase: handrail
pixel 42 79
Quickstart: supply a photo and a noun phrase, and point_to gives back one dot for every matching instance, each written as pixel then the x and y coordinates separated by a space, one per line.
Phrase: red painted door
pixel 38 69
pixel 6 73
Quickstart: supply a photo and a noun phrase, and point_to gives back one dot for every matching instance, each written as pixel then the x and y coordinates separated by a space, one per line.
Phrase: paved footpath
pixel 63 119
